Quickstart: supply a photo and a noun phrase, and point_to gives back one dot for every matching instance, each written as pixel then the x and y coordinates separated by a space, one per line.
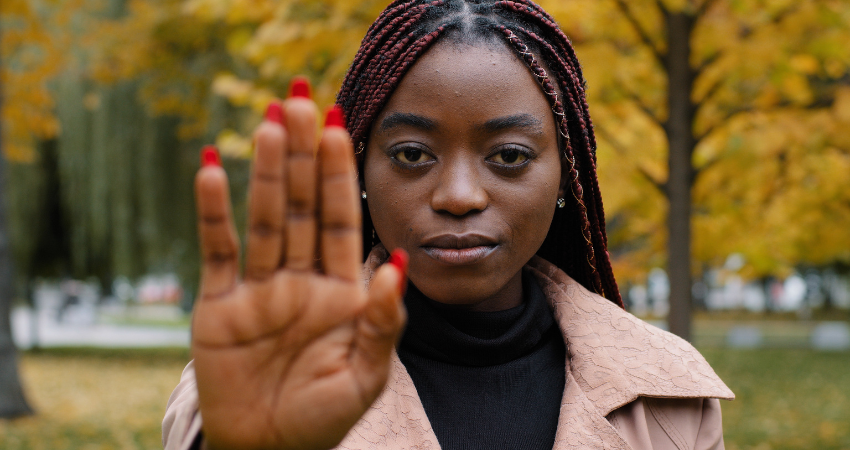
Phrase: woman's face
pixel 463 172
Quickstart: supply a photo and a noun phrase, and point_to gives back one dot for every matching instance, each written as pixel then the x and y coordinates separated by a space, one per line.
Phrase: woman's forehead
pixel 462 78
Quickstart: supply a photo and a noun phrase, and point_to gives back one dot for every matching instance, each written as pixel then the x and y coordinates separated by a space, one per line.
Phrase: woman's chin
pixel 452 291
pixel 485 293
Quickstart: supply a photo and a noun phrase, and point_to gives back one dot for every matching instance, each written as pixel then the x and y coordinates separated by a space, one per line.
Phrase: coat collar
pixel 616 357
pixel 612 359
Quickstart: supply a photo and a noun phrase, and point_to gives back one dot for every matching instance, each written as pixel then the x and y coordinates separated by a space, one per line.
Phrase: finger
pixel 301 184
pixel 379 328
pixel 340 207
pixel 266 197
pixel 219 247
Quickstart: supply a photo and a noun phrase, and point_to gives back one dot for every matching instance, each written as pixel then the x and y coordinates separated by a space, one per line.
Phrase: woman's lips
pixel 459 249
pixel 459 256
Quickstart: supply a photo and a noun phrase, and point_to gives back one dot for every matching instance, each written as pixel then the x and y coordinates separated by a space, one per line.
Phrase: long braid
pixel 598 225
pixel 406 29
pixel 565 46
pixel 577 86
pixel 557 107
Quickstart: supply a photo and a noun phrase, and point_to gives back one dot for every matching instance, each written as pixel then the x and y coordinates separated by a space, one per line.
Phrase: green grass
pixel 774 333
pixel 91 399
pixel 786 399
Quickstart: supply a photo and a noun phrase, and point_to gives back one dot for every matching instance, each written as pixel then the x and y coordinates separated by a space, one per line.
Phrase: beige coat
pixel 629 386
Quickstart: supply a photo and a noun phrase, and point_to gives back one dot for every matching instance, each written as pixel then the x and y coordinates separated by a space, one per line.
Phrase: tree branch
pixel 645 108
pixel 707 62
pixel 662 7
pixel 621 150
pixel 720 122
pixel 697 171
pixel 710 93
pixel 784 13
pixel 706 4
pixel 641 32
pixel 818 104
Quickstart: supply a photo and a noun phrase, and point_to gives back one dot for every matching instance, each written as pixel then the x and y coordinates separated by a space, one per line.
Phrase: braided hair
pixel 576 241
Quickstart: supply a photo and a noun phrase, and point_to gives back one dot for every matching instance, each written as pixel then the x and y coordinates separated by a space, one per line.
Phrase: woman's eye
pixel 509 157
pixel 412 156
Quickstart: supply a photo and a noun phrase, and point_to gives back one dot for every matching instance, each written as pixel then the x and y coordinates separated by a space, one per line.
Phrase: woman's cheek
pixel 392 214
pixel 530 216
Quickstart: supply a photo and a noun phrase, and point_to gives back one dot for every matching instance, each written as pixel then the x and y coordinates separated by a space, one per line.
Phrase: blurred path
pixel 47 332
pixel 80 327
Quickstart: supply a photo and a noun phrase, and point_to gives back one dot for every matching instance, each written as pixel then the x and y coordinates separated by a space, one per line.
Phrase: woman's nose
pixel 459 190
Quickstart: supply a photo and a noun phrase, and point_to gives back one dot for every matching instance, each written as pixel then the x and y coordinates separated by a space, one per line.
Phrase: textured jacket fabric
pixel 629 385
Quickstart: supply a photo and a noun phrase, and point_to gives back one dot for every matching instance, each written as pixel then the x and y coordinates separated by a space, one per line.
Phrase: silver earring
pixel 561 203
pixel 363 195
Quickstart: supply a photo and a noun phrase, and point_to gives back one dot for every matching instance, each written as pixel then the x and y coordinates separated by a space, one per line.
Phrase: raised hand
pixel 293 353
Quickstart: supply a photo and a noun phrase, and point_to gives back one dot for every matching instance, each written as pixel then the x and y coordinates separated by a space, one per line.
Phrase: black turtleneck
pixel 487 380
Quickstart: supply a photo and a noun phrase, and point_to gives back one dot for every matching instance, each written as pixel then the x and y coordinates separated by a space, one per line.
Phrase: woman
pixel 475 156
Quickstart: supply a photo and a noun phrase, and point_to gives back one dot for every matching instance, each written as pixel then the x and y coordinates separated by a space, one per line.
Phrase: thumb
pixel 380 324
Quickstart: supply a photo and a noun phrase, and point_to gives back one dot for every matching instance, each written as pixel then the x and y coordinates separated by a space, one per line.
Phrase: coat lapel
pixel 581 425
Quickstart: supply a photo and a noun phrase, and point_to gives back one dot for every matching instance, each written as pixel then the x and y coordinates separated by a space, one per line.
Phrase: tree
pixel 708 86
pixel 111 193
pixel 25 115
pixel 12 401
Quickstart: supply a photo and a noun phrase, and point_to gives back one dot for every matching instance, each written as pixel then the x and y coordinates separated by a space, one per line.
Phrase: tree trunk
pixel 681 146
pixel 12 401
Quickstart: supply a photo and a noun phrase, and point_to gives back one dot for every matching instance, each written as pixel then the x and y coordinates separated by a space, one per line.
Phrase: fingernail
pixel 274 112
pixel 334 117
pixel 300 87
pixel 210 157
pixel 400 259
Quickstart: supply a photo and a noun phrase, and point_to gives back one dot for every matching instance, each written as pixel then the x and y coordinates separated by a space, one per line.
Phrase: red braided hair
pixel 576 241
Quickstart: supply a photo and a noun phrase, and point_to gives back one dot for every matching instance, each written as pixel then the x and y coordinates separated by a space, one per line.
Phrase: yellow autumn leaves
pixel 771 107
pixel 30 59
pixel 771 93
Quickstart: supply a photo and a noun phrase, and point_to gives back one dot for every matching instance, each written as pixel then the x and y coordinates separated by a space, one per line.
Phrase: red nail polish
pixel 210 157
pixel 334 117
pixel 274 112
pixel 399 258
pixel 300 87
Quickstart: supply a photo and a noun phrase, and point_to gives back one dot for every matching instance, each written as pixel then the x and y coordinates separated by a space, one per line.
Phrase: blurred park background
pixel 724 157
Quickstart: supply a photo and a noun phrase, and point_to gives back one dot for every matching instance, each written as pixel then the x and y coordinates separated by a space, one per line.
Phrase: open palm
pixel 293 353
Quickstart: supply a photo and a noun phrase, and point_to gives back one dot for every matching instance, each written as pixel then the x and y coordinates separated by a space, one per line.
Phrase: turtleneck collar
pixel 472 338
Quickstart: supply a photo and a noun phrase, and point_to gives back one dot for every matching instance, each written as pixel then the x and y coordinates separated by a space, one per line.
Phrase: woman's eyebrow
pixel 526 121
pixel 398 119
